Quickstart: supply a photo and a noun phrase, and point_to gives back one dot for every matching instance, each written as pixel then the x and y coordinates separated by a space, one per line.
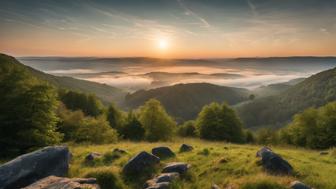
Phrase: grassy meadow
pixel 230 166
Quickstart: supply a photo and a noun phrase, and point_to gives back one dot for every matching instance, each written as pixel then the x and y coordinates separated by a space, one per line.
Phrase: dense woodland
pixel 36 113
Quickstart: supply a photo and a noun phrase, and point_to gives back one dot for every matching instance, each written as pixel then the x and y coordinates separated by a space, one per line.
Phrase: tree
pixel 133 128
pixel 188 129
pixel 115 117
pixel 28 111
pixel 157 123
pixel 219 122
pixel 267 136
pixel 89 104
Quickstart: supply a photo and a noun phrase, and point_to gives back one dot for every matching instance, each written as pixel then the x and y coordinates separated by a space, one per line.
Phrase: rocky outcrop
pixel 163 152
pixel 162 178
pixel 140 164
pixel 176 167
pixel 53 182
pixel 299 185
pixel 31 167
pixel 274 163
pixel 186 148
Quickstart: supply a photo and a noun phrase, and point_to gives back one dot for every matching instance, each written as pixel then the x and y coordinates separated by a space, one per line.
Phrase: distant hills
pixel 184 101
pixel 105 92
pixel 277 110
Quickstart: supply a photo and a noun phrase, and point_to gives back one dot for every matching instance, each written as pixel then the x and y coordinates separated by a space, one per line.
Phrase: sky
pixel 168 28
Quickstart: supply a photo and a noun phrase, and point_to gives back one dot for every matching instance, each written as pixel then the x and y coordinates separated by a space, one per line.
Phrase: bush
pixel 132 129
pixel 249 137
pixel 115 117
pixel 219 122
pixel 106 178
pixel 188 129
pixel 313 128
pixel 264 184
pixel 157 123
pixel 267 136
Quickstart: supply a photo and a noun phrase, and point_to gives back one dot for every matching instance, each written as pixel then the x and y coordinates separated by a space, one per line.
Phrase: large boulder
pixel 29 168
pixel 274 163
pixel 163 152
pixel 140 164
pixel 299 185
pixel 186 148
pixel 53 182
pixel 176 167
pixel 263 150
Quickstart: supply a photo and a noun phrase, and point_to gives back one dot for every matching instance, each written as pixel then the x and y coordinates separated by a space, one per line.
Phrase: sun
pixel 162 44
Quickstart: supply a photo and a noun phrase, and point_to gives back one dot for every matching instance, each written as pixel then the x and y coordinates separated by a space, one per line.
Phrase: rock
pixel 299 185
pixel 262 150
pixel 29 168
pixel 92 156
pixel 324 153
pixel 120 151
pixel 163 152
pixel 140 163
pixel 53 182
pixel 164 177
pixel 274 163
pixel 215 186
pixel 162 185
pixel 186 148
pixel 178 167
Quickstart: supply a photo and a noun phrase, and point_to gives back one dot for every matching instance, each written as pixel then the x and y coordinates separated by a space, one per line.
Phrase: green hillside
pixel 277 110
pixel 105 92
pixel 184 101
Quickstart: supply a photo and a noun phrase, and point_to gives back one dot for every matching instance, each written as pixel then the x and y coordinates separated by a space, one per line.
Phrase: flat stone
pixel 299 185
pixel 176 167
pixel 53 182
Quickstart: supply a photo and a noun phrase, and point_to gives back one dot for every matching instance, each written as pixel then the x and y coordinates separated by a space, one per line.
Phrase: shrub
pixel 267 136
pixel 219 122
pixel 188 129
pixel 157 123
pixel 133 128
pixel 115 117
pixel 263 184
pixel 106 178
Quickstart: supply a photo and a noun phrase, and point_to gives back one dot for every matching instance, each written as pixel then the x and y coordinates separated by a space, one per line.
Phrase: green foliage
pixel 106 178
pixel 132 129
pixel 115 117
pixel 188 129
pixel 263 184
pixel 313 128
pixel 88 104
pixel 157 123
pixel 267 136
pixel 249 137
pixel 28 118
pixel 219 122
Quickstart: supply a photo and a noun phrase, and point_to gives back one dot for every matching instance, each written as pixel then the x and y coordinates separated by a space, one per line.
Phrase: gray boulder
pixel 274 163
pixel 186 148
pixel 176 167
pixel 263 150
pixel 140 164
pixel 53 182
pixel 324 153
pixel 164 177
pixel 161 185
pixel 92 156
pixel 31 167
pixel 299 185
pixel 163 152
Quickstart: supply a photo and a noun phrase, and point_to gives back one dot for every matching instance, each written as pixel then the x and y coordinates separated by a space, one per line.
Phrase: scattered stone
pixel 324 153
pixel 164 177
pixel 177 167
pixel 29 168
pixel 215 186
pixel 163 152
pixel 117 150
pixel 263 150
pixel 299 185
pixel 161 185
pixel 274 163
pixel 53 182
pixel 140 163
pixel 186 148
pixel 92 156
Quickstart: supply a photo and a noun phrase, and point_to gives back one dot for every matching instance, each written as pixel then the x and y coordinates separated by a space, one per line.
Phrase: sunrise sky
pixel 168 28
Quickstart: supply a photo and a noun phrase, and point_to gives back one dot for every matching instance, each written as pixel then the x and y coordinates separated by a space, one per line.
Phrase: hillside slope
pixel 184 101
pixel 105 92
pixel 275 111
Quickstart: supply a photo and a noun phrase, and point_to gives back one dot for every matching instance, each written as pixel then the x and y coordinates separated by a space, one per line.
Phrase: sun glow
pixel 162 44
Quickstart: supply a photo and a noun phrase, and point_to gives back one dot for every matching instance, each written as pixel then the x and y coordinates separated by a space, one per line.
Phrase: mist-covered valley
pixel 132 74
